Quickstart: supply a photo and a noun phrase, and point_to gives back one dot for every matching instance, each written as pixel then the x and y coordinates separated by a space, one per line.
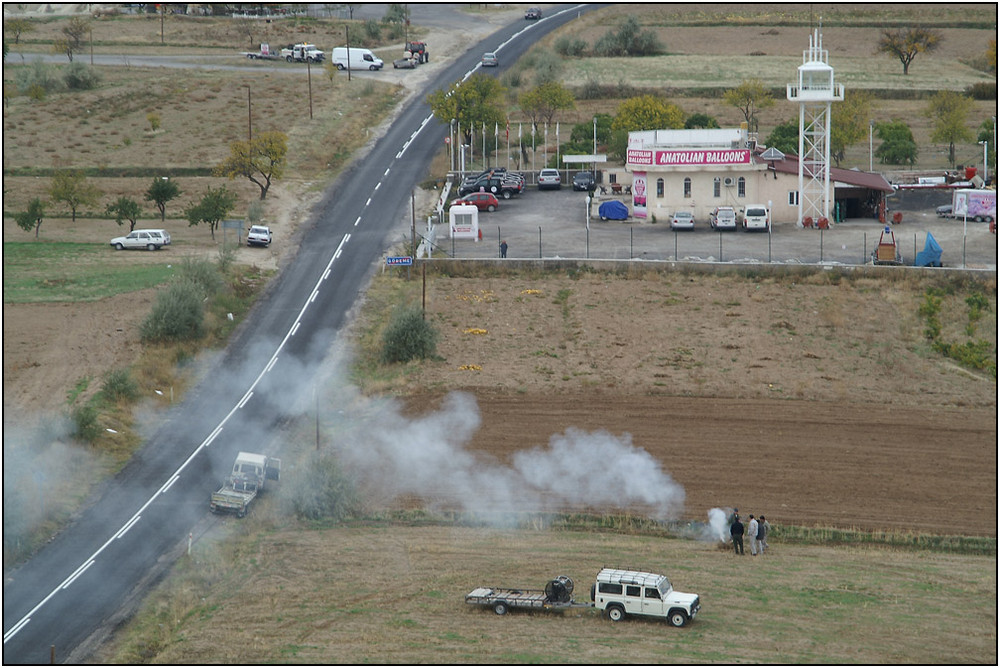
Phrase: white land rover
pixel 621 592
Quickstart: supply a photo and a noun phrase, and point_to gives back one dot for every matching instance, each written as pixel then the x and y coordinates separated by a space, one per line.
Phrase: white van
pixel 756 217
pixel 361 59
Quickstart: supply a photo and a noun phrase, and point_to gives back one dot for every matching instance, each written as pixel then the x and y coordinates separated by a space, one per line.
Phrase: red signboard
pixel 689 157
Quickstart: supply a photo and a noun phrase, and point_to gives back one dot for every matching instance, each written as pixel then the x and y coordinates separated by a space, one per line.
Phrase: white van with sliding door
pixel 361 59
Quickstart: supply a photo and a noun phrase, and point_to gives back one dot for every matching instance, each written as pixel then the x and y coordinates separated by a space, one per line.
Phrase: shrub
pixel 321 490
pixel 408 336
pixel 373 31
pixel 80 77
pixel 202 275
pixel 85 425
pixel 36 80
pixel 570 46
pixel 177 314
pixel 154 120
pixel 119 385
pixel 983 90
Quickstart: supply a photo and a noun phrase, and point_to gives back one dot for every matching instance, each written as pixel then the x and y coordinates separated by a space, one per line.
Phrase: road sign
pixel 399 261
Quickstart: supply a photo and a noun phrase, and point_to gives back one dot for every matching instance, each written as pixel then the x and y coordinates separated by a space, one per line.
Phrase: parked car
pixel 495 184
pixel 404 64
pixel 723 218
pixel 533 13
pixel 944 211
pixel 259 235
pixel 583 181
pixel 490 59
pixel 148 239
pixel 756 217
pixel 549 178
pixel 682 220
pixel 482 201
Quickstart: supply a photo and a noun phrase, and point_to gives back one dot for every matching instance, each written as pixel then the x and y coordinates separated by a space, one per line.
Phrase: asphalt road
pixel 90 576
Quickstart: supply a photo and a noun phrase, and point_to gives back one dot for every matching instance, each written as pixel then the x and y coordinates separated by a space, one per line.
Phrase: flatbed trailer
pixel 556 596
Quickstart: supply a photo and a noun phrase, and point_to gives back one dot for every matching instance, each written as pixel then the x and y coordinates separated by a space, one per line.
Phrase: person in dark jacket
pixel 503 249
pixel 736 531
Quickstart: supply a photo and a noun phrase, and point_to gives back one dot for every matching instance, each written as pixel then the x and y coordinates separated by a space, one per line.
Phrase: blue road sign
pixel 399 261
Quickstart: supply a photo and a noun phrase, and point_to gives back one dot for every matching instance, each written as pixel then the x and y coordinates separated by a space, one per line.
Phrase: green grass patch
pixel 41 271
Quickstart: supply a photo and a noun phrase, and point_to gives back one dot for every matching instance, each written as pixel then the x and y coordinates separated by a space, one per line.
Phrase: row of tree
pixel 261 160
pixel 479 102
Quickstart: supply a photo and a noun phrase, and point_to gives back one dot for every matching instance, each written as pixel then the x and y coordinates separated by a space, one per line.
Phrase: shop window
pixel 612 177
pixel 687 187
pixel 793 198
pixel 659 187
pixel 741 187
pixel 717 187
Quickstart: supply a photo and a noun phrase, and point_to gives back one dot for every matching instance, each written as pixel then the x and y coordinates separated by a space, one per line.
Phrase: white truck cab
pixel 620 593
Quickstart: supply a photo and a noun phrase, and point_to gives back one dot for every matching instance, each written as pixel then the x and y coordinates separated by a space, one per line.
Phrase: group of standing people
pixel 756 531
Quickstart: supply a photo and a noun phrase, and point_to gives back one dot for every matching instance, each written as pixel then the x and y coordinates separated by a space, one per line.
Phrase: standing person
pixel 503 248
pixel 763 530
pixel 736 531
pixel 752 529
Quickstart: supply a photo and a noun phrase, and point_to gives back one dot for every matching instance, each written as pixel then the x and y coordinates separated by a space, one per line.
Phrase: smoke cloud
pixel 427 456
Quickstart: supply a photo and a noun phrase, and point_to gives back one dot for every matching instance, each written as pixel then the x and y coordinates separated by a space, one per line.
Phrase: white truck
pixel 356 58
pixel 302 53
pixel 250 473
pixel 978 205
pixel 616 592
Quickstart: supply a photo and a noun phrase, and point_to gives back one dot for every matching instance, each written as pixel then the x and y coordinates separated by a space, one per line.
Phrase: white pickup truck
pixel 302 53
pixel 250 474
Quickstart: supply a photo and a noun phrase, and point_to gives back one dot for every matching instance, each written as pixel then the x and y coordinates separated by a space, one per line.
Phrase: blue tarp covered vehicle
pixel 613 210
pixel 930 256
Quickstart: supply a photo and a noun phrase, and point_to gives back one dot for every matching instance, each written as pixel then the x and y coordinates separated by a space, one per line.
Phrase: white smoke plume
pixel 427 456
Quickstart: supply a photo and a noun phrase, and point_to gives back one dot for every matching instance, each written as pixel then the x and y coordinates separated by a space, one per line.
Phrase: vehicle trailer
pixel 978 205
pixel 557 595
pixel 250 474
pixel 265 53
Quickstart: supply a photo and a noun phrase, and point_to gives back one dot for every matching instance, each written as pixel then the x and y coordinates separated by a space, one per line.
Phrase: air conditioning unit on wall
pixel 729 181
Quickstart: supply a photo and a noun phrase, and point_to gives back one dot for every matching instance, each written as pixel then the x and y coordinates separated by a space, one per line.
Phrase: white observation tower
pixel 814 93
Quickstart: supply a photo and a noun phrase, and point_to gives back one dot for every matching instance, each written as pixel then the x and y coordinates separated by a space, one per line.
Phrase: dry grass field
pixel 839 409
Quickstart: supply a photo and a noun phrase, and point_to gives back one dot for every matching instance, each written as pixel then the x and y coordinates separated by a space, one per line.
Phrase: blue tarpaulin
pixel 613 210
pixel 930 256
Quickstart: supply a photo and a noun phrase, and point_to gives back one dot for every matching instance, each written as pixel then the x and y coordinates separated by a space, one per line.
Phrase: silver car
pixel 490 59
pixel 549 178
pixel 682 220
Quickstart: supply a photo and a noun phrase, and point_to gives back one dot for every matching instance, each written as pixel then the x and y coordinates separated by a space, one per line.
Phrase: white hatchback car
pixel 549 178
pixel 682 220
pixel 148 239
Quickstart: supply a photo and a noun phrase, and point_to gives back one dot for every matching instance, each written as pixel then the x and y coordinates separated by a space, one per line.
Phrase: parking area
pixel 555 224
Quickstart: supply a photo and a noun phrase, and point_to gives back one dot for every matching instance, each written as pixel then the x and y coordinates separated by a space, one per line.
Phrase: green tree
pixel 906 43
pixel 161 191
pixel 785 137
pixel 124 208
pixel 749 97
pixel 212 208
pixel 261 160
pixel 898 146
pixel 849 122
pixel 396 13
pixel 71 186
pixel 17 27
pixel 408 336
pixel 986 135
pixel 949 114
pixel 642 113
pixel 695 121
pixel 628 40
pixel 543 101
pixel 584 132
pixel 32 218
pixel 473 103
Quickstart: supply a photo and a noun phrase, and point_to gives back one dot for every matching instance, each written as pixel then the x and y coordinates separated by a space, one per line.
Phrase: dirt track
pixel 798 462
